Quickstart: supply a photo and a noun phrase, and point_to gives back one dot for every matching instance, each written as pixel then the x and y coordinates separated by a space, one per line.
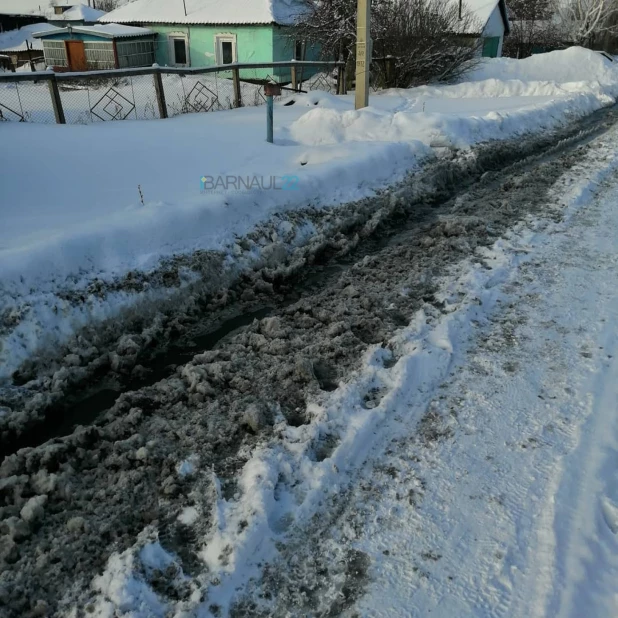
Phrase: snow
pixel 283 12
pixel 20 40
pixel 83 217
pixel 515 507
pixel 23 7
pixel 571 65
pixel 121 589
pixel 513 511
pixel 80 12
pixel 115 31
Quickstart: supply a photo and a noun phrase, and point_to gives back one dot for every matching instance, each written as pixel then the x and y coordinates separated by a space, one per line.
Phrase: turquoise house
pixel 204 33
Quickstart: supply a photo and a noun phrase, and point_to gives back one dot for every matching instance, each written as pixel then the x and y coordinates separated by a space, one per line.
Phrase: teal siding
pixel 284 48
pixel 253 44
pixel 75 36
pixel 259 43
pixel 491 45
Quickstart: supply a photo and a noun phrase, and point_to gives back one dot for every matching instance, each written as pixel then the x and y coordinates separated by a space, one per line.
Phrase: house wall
pixel 259 43
pixel 495 28
pixel 284 48
pixel 100 53
pixel 253 44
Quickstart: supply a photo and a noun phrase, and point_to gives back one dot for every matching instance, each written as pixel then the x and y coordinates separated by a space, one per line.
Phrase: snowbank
pixel 115 198
pixel 575 64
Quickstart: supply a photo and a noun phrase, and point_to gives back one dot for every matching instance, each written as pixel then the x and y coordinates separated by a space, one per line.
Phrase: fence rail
pixel 156 92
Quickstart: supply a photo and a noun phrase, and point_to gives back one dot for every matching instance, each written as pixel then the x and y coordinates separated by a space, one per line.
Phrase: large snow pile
pixel 22 39
pixel 100 201
pixel 575 64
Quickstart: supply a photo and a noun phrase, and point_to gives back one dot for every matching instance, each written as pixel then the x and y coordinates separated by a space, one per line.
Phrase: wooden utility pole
pixel 363 53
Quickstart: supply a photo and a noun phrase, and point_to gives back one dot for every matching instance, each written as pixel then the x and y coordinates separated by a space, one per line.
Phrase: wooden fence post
pixel 341 80
pixel 56 100
pixel 294 79
pixel 160 92
pixel 237 92
pixel 390 71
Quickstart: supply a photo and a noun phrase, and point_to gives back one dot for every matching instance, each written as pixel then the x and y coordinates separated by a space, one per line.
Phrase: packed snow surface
pixel 121 196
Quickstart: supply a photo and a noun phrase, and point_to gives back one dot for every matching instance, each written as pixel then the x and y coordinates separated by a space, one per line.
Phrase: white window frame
pixel 174 36
pixel 225 38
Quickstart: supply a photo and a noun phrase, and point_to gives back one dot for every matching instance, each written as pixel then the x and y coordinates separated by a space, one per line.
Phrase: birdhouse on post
pixel 272 89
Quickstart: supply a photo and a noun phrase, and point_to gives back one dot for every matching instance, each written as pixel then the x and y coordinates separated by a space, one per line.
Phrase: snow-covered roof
pixel 480 11
pixel 79 12
pixel 108 31
pixel 23 7
pixel 282 12
pixel 18 40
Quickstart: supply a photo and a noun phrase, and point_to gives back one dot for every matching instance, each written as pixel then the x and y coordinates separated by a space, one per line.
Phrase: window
pixel 58 10
pixel 179 50
pixel 227 52
pixel 225 46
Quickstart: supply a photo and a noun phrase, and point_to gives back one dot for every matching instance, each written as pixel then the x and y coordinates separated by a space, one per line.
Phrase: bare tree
pixel 584 21
pixel 428 40
pixel 533 27
pixel 106 5
pixel 415 41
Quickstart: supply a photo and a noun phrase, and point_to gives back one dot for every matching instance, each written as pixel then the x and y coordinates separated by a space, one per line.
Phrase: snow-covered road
pixel 503 499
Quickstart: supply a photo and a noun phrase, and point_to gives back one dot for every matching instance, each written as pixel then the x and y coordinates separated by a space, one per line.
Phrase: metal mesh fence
pixel 27 101
pixel 126 95
pixel 103 99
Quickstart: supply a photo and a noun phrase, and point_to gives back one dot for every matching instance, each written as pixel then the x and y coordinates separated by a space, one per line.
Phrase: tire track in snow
pixel 579 577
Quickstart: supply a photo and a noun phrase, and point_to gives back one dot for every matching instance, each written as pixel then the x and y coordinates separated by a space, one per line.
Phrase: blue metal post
pixel 269 119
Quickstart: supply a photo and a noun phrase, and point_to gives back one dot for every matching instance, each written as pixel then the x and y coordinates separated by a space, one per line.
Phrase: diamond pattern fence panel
pixel 194 93
pixel 103 100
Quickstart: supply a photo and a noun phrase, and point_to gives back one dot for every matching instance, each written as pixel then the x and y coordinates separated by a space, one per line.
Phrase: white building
pixel 488 20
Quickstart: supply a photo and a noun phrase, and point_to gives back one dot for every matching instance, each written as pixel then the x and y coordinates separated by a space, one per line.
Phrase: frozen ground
pixel 262 476
pixel 78 248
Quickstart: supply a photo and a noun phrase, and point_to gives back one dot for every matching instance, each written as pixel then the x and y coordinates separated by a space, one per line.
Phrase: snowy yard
pixel 417 417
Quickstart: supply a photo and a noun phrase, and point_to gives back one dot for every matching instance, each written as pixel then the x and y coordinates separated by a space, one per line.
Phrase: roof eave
pixel 505 17
pixel 105 35
pixel 189 23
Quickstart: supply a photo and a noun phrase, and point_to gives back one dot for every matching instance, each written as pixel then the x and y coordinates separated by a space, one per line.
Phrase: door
pixel 491 45
pixel 76 56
